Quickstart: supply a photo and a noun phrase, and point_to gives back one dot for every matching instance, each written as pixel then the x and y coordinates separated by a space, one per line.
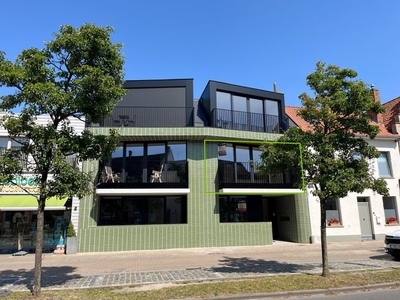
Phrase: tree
pixel 335 153
pixel 79 74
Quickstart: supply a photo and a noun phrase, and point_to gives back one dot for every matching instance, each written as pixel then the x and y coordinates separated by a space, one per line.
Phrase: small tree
pixel 335 155
pixel 71 230
pixel 79 75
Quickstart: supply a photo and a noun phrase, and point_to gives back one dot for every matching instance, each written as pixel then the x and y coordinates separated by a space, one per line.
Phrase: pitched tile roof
pixel 392 110
pixel 292 113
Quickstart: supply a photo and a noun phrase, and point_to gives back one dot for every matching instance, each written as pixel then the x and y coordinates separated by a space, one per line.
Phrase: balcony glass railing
pixel 244 175
pixel 139 173
pixel 240 120
pixel 127 116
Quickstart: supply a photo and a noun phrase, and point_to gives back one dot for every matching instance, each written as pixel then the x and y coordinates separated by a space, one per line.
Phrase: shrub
pixel 71 230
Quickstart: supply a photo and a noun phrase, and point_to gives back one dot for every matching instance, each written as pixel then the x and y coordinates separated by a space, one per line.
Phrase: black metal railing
pixel 138 172
pixel 240 120
pixel 245 175
pixel 140 116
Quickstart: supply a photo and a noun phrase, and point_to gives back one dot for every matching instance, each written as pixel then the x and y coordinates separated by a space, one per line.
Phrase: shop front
pixel 18 219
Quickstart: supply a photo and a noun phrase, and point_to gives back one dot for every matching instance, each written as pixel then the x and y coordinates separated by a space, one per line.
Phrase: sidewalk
pixel 89 270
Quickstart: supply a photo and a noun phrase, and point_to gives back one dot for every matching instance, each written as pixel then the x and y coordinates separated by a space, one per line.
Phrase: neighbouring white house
pixel 18 209
pixel 367 215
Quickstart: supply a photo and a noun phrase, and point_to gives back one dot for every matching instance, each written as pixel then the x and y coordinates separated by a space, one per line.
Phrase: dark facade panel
pixel 155 103
pixel 155 97
pixel 178 92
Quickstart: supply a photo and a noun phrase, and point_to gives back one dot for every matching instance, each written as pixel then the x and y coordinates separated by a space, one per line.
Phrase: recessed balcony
pixel 138 175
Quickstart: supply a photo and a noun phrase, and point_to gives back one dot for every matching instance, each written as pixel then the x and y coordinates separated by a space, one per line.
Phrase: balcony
pixel 243 175
pixel 240 120
pixel 139 116
pixel 143 175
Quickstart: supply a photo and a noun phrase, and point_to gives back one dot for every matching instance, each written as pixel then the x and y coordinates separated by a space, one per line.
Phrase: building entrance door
pixel 365 219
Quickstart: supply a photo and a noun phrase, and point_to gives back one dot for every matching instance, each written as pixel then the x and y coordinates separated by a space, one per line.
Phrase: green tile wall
pixel 203 228
pixel 293 218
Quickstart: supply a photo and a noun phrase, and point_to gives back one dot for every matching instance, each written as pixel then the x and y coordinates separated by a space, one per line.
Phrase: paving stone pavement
pixel 90 270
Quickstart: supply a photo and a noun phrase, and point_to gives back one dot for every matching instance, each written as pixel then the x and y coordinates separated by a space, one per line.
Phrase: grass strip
pixel 267 284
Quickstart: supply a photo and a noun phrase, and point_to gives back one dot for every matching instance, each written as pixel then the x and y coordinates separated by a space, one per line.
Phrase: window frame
pixel 332 214
pixel 388 165
pixel 392 211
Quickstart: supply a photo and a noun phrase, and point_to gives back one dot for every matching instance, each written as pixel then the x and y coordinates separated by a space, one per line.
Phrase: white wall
pixel 79 126
pixel 349 208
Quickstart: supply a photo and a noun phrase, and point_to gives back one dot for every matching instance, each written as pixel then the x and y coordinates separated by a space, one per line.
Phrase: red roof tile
pixel 292 113
pixel 392 110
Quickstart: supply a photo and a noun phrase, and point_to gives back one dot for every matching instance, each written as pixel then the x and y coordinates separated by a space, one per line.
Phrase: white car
pixel 392 243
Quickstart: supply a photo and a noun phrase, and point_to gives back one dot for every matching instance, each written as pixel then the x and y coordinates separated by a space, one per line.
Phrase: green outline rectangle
pixel 251 142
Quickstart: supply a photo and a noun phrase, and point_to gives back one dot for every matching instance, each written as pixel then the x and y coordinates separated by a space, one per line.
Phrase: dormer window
pixel 245 113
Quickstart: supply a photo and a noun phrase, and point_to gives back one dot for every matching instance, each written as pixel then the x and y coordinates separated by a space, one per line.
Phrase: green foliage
pixel 336 153
pixel 79 74
pixel 71 230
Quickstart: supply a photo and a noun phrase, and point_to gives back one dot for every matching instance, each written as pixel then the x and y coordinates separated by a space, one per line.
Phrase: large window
pixel 134 158
pixel 272 116
pixel 389 206
pixel 242 113
pixel 137 162
pixel 239 110
pixel 24 223
pixel 242 209
pixel 384 165
pixel 15 145
pixel 238 164
pixel 332 212
pixel 3 143
pixel 143 210
pixel 256 115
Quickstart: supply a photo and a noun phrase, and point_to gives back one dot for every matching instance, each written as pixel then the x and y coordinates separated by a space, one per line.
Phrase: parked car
pixel 392 243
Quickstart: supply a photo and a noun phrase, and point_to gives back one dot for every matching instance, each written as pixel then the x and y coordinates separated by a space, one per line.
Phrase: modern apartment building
pixel 183 174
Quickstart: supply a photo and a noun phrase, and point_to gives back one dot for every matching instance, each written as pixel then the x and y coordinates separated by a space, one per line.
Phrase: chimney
pixel 377 98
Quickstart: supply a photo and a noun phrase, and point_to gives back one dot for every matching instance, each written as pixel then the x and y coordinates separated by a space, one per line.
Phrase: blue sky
pixel 248 42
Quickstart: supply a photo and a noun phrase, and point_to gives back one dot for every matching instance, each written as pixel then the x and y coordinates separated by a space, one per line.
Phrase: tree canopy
pixel 77 75
pixel 336 154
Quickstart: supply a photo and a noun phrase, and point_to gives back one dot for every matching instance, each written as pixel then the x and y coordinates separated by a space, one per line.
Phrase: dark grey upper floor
pixel 170 103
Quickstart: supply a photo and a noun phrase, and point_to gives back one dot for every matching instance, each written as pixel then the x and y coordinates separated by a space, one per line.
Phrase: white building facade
pixel 368 215
pixel 18 209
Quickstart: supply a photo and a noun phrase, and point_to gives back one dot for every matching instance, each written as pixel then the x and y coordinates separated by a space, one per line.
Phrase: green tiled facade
pixel 203 228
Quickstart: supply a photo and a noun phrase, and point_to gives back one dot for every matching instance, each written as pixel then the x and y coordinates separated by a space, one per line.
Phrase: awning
pixel 28 202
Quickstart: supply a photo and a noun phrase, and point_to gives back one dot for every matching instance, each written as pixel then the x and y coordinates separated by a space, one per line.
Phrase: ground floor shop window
pixel 242 209
pixel 18 229
pixel 142 210
pixel 389 205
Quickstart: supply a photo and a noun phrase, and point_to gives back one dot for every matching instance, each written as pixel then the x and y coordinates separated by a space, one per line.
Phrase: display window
pixel 18 229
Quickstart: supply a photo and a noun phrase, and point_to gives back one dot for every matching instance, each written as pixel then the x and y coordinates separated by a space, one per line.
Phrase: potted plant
pixel 333 222
pixel 72 242
pixel 391 221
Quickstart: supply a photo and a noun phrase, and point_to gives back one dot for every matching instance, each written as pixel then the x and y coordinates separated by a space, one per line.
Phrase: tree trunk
pixel 324 246
pixel 37 279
